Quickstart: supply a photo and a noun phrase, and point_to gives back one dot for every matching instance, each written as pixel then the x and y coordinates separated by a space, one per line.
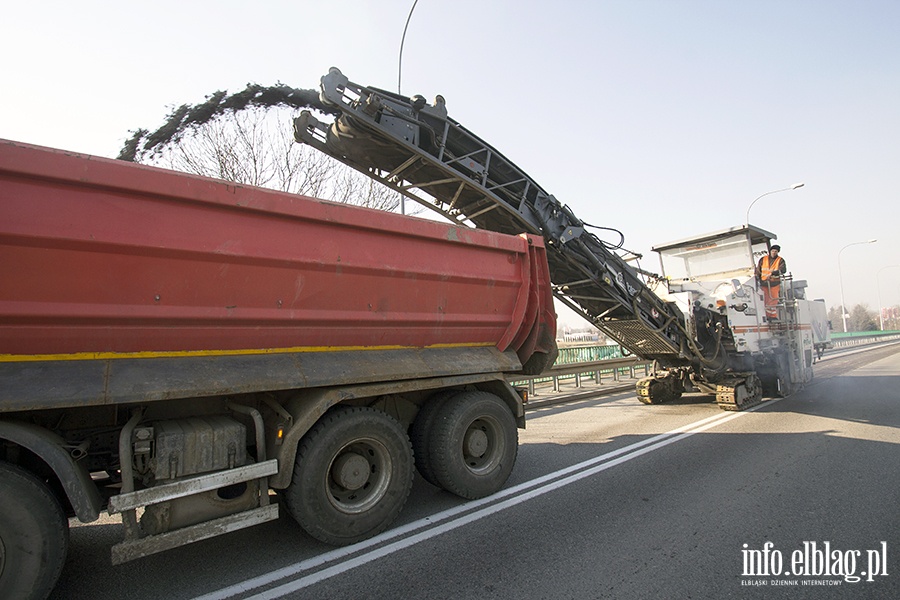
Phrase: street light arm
pixel 854 244
pixel 787 189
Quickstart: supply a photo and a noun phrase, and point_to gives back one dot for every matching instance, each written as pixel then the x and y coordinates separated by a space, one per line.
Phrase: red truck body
pixel 101 257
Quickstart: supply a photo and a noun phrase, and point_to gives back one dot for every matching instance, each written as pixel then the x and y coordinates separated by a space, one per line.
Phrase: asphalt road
pixel 609 499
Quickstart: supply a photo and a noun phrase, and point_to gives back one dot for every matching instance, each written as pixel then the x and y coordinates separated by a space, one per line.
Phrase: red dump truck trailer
pixel 173 348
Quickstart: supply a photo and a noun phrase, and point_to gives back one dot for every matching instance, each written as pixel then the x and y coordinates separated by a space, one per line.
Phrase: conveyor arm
pixel 417 150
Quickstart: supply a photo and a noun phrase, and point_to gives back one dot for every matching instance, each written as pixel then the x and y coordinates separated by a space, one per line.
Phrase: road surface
pixel 609 499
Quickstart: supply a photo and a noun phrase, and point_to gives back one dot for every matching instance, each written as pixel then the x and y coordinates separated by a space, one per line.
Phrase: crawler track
pixel 739 392
pixel 657 390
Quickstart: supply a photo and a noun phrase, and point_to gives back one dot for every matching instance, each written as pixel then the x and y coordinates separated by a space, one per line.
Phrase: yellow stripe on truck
pixel 240 352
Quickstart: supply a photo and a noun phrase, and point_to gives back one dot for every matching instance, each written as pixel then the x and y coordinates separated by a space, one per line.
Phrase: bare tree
pixel 863 319
pixel 352 187
pixel 859 318
pixel 256 147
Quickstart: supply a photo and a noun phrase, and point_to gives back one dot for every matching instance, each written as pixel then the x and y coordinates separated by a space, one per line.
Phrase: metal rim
pixel 358 476
pixel 483 445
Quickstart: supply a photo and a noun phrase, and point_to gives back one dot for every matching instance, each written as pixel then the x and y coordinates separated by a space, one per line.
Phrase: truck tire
pixel 34 535
pixel 420 433
pixel 352 476
pixel 473 444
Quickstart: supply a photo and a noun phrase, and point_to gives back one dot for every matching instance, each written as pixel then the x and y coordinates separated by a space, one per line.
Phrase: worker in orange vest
pixel 769 271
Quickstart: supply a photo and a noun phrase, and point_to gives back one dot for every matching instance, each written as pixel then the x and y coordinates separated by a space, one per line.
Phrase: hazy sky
pixel 663 119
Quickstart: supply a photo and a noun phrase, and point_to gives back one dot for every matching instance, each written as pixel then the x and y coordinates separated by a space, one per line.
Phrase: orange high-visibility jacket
pixel 771 269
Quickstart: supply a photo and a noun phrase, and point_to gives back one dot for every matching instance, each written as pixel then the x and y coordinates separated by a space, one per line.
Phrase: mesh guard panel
pixel 640 340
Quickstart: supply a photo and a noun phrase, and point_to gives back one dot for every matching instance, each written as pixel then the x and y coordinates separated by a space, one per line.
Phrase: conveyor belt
pixel 417 150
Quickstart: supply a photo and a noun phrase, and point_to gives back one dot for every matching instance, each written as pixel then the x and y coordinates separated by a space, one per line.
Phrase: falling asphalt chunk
pixel 185 117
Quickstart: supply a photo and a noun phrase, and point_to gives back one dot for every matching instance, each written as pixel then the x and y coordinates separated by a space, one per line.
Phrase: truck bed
pixel 106 261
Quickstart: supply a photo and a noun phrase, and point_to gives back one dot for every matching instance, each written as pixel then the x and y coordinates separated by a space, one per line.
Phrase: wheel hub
pixel 350 471
pixel 476 442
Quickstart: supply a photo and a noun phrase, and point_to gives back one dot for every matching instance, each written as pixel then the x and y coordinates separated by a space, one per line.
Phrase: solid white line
pixel 520 493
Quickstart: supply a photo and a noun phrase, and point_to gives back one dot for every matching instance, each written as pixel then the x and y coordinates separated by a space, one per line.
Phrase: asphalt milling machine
pixel 702 322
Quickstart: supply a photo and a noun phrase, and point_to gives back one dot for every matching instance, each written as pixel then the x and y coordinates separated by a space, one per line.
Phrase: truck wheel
pixel 420 433
pixel 353 474
pixel 34 535
pixel 473 444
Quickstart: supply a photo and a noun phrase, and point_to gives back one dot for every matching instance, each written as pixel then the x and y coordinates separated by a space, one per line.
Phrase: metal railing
pixel 860 339
pixel 605 369
pixel 609 368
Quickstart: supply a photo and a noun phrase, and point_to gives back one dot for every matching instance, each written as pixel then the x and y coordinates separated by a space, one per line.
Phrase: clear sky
pixel 662 118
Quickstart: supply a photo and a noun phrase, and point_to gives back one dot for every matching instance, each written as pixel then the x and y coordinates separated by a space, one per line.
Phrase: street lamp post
pixel 878 287
pixel 841 279
pixel 787 189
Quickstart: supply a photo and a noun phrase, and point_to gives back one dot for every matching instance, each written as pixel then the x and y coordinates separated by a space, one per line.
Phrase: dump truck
pixel 178 350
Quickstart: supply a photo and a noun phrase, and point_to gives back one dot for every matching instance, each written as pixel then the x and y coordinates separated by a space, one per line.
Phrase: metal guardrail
pixel 609 367
pixel 859 340
pixel 615 368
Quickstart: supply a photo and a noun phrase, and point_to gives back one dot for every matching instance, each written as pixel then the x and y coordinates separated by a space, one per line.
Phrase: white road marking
pixel 458 516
